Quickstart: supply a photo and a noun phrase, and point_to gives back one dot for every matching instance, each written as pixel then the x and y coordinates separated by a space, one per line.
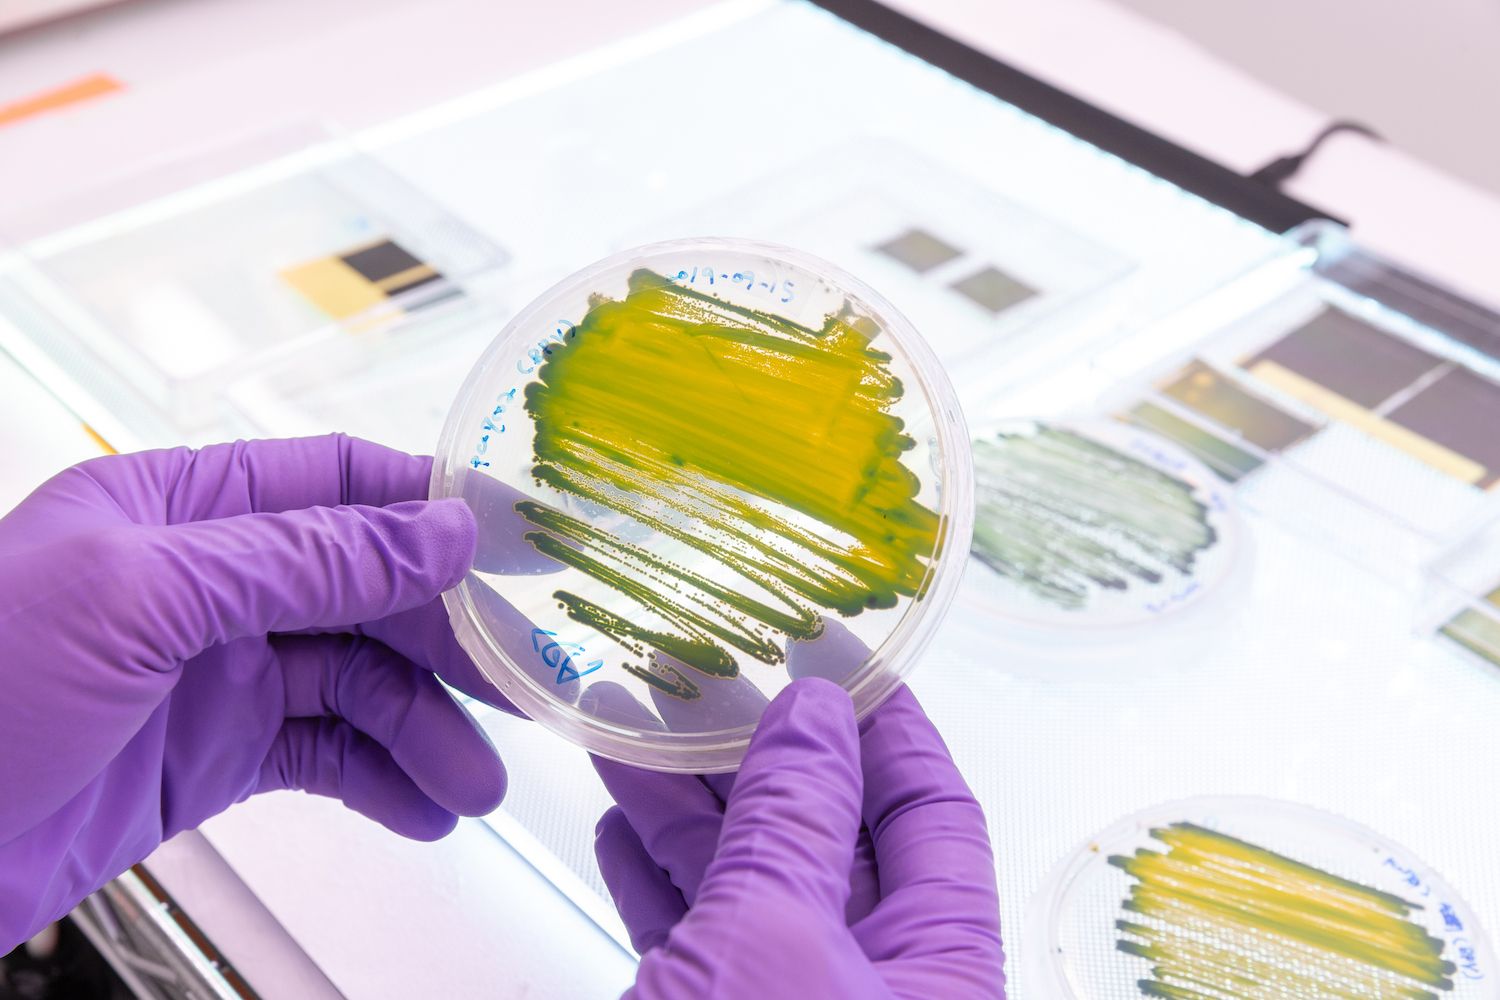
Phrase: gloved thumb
pixel 792 819
pixel 207 582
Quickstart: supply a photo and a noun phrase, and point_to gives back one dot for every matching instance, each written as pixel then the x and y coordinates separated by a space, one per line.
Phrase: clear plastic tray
pixel 175 282
pixel 393 387
pixel 984 277
pixel 700 469
pixel 1462 598
pixel 1327 406
pixel 1291 900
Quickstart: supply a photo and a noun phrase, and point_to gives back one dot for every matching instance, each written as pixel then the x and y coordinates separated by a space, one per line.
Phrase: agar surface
pixel 1065 517
pixel 1223 919
pixel 763 450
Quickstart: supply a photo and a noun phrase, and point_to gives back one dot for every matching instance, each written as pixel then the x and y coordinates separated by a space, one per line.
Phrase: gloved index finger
pixel 273 476
pixel 213 581
pixel 425 634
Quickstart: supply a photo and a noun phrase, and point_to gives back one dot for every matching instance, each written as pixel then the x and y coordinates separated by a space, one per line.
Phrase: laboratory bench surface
pixel 306 898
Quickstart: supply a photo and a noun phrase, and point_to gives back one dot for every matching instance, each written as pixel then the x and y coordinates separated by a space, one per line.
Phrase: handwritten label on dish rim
pixel 1453 931
pixel 494 422
pixel 710 276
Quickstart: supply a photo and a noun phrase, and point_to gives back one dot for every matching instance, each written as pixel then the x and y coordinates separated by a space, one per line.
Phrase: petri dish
pixel 701 469
pixel 1081 527
pixel 1245 897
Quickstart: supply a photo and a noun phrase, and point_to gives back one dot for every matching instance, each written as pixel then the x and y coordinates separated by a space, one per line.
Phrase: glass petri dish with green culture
pixel 1085 527
pixel 702 469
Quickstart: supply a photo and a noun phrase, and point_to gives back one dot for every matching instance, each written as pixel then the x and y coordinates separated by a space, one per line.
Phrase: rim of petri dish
pixel 1275 824
pixel 889 663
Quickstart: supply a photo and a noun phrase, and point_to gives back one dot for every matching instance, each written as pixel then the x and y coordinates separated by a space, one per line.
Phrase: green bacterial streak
pixel 1224 919
pixel 1064 516
pixel 766 446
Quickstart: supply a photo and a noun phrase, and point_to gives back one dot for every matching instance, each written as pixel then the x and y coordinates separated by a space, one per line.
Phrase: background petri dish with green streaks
pixel 1094 524
pixel 701 469
pixel 1243 897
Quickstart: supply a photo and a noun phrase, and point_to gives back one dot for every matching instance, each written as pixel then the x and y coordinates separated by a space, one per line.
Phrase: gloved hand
pixel 767 885
pixel 182 629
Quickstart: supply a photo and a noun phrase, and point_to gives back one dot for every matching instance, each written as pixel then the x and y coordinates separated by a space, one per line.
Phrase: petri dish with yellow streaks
pixel 701 469
pixel 1247 898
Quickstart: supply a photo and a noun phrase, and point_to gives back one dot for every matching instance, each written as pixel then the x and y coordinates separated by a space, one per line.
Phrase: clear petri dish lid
pixel 701 469
pixel 1082 527
pixel 1244 897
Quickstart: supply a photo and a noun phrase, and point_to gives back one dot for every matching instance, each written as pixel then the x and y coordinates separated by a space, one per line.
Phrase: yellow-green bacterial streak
pixel 766 446
pixel 602 556
pixel 1224 919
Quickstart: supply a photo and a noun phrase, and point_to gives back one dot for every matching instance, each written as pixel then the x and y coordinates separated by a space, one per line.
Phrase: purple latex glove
pixel 758 887
pixel 183 629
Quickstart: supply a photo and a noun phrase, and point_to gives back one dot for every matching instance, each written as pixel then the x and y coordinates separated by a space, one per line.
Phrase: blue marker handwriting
pixel 1468 958
pixel 746 279
pixel 493 423
pixel 1175 598
pixel 1409 876
pixel 558 656
pixel 562 332
pixel 1468 954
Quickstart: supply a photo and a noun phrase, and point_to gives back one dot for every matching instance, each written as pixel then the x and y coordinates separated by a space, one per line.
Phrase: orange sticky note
pixel 85 89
